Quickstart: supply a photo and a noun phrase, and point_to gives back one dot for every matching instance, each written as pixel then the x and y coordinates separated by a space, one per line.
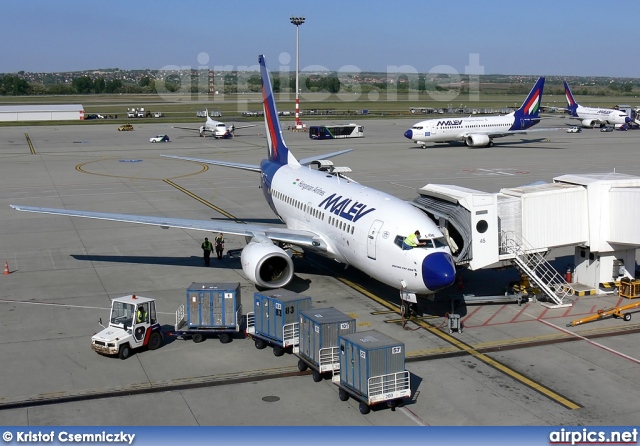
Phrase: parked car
pixel 607 128
pixel 158 115
pixel 159 138
pixel 125 128
pixel 574 130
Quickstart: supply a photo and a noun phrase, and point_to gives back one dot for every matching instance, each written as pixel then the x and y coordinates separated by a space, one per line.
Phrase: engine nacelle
pixel 477 140
pixel 588 123
pixel 266 264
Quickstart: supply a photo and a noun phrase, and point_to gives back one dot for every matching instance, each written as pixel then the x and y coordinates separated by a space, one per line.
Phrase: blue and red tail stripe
pixel 572 104
pixel 278 151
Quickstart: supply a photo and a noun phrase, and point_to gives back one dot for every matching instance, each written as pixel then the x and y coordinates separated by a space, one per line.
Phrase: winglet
pixel 278 151
pixel 572 104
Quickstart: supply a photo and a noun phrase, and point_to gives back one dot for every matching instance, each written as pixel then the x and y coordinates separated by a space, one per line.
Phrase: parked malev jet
pixel 480 131
pixel 217 129
pixel 324 212
pixel 591 116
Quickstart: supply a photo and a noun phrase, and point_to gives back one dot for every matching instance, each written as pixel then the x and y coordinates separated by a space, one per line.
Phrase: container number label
pixel 228 295
pixel 363 355
pixel 344 326
pixel 287 310
pixel 396 350
pixel 278 306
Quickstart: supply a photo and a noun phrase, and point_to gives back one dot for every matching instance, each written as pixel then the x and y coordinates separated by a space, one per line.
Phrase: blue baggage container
pixel 275 309
pixel 213 305
pixel 373 365
pixel 319 330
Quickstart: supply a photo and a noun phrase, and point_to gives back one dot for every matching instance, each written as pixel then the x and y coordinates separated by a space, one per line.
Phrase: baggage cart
pixel 372 370
pixel 319 333
pixel 211 309
pixel 274 319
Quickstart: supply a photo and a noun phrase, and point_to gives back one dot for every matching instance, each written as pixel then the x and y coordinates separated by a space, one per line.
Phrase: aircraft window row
pixel 341 225
pixel 317 213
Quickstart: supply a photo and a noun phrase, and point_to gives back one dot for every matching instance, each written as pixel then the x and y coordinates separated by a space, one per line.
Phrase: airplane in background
pixel 324 212
pixel 216 128
pixel 591 116
pixel 477 131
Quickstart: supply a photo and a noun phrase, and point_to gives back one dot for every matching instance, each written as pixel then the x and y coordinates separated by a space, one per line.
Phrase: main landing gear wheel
pixel 405 310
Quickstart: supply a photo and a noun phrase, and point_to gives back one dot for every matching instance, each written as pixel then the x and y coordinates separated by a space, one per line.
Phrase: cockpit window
pixel 440 242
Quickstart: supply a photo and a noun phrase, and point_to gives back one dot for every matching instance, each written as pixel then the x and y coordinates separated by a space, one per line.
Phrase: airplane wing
pixel 236 127
pixel 511 132
pixel 280 234
pixel 188 128
pixel 253 167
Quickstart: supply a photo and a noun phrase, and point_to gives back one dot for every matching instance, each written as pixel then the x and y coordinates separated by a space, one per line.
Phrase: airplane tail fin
pixel 571 102
pixel 527 114
pixel 278 151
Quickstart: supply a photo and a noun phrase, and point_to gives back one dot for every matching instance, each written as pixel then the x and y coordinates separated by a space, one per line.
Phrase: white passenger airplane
pixel 324 212
pixel 591 116
pixel 480 131
pixel 216 128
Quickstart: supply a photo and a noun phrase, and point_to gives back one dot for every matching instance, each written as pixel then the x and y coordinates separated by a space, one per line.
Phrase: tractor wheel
pixel 627 317
pixel 155 341
pixel 125 351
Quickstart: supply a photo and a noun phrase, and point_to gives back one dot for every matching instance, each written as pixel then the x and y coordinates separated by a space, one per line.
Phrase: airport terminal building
pixel 58 112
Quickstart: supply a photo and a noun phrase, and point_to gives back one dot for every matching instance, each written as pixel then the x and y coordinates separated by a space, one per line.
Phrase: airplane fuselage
pixel 360 226
pixel 469 130
pixel 601 115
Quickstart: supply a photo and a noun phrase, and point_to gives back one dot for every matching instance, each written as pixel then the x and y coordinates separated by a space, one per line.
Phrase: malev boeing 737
pixel 480 131
pixel 591 116
pixel 324 212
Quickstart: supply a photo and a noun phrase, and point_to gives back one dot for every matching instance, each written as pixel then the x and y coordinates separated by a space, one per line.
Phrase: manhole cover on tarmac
pixel 271 399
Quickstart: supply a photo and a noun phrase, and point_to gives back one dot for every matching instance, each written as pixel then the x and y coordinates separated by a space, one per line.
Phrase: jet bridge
pixel 598 214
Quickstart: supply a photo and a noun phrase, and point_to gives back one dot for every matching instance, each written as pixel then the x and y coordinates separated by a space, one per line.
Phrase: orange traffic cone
pixel 6 268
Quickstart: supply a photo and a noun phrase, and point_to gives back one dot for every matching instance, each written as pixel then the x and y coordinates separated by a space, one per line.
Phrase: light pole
pixel 297 21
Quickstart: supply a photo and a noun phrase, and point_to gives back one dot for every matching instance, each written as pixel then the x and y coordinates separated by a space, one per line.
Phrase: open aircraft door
pixel 372 238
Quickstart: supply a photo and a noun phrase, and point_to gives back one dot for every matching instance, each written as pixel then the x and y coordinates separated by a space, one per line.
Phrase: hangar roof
pixel 40 108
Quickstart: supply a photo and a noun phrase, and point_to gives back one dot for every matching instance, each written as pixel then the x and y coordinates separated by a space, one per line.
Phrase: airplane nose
pixel 626 120
pixel 408 134
pixel 438 271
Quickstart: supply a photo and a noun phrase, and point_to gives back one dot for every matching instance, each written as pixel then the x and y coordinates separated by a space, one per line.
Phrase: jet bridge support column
pixel 595 268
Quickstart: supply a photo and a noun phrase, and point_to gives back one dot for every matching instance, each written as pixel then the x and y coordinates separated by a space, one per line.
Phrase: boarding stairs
pixel 537 269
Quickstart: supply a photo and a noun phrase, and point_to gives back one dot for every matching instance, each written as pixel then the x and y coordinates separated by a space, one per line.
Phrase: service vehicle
pixel 574 130
pixel 132 324
pixel 158 115
pixel 160 138
pixel 607 128
pixel 125 128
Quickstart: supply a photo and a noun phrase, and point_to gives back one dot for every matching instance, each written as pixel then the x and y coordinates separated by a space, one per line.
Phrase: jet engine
pixel 477 140
pixel 588 123
pixel 266 264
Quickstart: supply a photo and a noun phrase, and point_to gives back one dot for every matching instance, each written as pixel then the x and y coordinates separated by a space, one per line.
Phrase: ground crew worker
pixel 207 247
pixel 219 242
pixel 142 315
pixel 412 240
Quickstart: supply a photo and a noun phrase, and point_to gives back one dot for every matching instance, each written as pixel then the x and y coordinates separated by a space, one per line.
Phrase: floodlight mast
pixel 297 21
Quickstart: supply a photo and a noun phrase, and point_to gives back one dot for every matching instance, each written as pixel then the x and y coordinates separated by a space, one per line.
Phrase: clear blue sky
pixel 545 37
